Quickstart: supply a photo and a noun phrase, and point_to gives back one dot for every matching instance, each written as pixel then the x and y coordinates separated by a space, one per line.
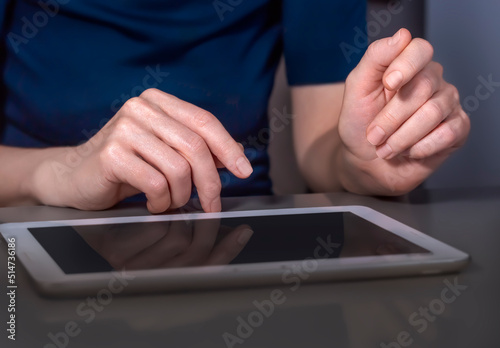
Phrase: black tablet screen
pixel 238 240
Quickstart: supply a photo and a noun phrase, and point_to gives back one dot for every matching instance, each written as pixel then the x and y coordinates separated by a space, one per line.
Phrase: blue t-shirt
pixel 68 65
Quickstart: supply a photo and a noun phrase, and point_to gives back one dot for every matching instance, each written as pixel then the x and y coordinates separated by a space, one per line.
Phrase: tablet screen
pixel 203 242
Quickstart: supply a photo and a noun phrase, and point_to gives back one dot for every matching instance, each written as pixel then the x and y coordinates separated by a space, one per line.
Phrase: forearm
pixel 322 159
pixel 318 164
pixel 328 167
pixel 20 182
pixel 316 111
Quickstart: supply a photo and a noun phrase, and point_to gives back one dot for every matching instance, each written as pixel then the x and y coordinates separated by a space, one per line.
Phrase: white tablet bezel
pixel 52 281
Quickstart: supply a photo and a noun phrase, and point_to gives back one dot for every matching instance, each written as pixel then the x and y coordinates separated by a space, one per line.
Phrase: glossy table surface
pixel 404 312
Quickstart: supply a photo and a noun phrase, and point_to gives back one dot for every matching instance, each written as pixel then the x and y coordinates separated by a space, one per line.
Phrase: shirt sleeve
pixel 323 39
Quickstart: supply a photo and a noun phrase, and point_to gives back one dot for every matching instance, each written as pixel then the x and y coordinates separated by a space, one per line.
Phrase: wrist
pixel 353 173
pixel 363 176
pixel 47 179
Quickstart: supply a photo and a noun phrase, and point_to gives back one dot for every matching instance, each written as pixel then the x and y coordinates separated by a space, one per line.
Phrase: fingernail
pixel 244 236
pixel 384 151
pixel 244 166
pixel 394 79
pixel 395 38
pixel 376 135
pixel 215 206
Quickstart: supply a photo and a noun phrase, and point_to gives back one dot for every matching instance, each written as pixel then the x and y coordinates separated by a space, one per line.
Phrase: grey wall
pixel 466 38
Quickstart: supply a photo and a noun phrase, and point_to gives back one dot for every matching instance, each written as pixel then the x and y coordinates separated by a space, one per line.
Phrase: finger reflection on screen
pixel 167 244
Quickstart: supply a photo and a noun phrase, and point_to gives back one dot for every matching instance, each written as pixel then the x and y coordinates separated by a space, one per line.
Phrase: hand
pixel 400 120
pixel 156 144
pixel 167 244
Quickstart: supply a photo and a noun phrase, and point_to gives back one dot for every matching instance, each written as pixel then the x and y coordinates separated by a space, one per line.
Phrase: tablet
pixel 175 252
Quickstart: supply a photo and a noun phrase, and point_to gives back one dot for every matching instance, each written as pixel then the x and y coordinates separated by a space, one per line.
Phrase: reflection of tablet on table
pixel 215 250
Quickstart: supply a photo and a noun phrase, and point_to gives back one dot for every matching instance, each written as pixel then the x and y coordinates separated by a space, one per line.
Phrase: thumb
pixel 368 76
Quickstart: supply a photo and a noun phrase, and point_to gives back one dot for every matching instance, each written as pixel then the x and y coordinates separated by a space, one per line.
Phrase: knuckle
pixel 447 134
pixel 195 144
pixel 424 46
pixel 155 93
pixel 433 110
pixel 410 65
pixel 226 147
pixel 201 118
pixel 182 169
pixel 150 92
pixel 426 85
pixel 374 49
pixel 134 105
pixel 125 126
pixel 157 185
pixel 389 119
pixel 111 153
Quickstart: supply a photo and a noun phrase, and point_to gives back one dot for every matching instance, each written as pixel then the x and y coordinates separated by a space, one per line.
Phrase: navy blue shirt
pixel 69 65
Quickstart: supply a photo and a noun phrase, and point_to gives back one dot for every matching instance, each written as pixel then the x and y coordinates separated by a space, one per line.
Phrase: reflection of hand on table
pixel 167 244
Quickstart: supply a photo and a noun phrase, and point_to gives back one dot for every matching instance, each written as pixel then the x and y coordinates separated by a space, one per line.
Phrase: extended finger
pixel 202 122
pixel 187 143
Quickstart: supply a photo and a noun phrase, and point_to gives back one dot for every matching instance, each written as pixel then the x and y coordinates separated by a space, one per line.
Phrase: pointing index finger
pixel 202 122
